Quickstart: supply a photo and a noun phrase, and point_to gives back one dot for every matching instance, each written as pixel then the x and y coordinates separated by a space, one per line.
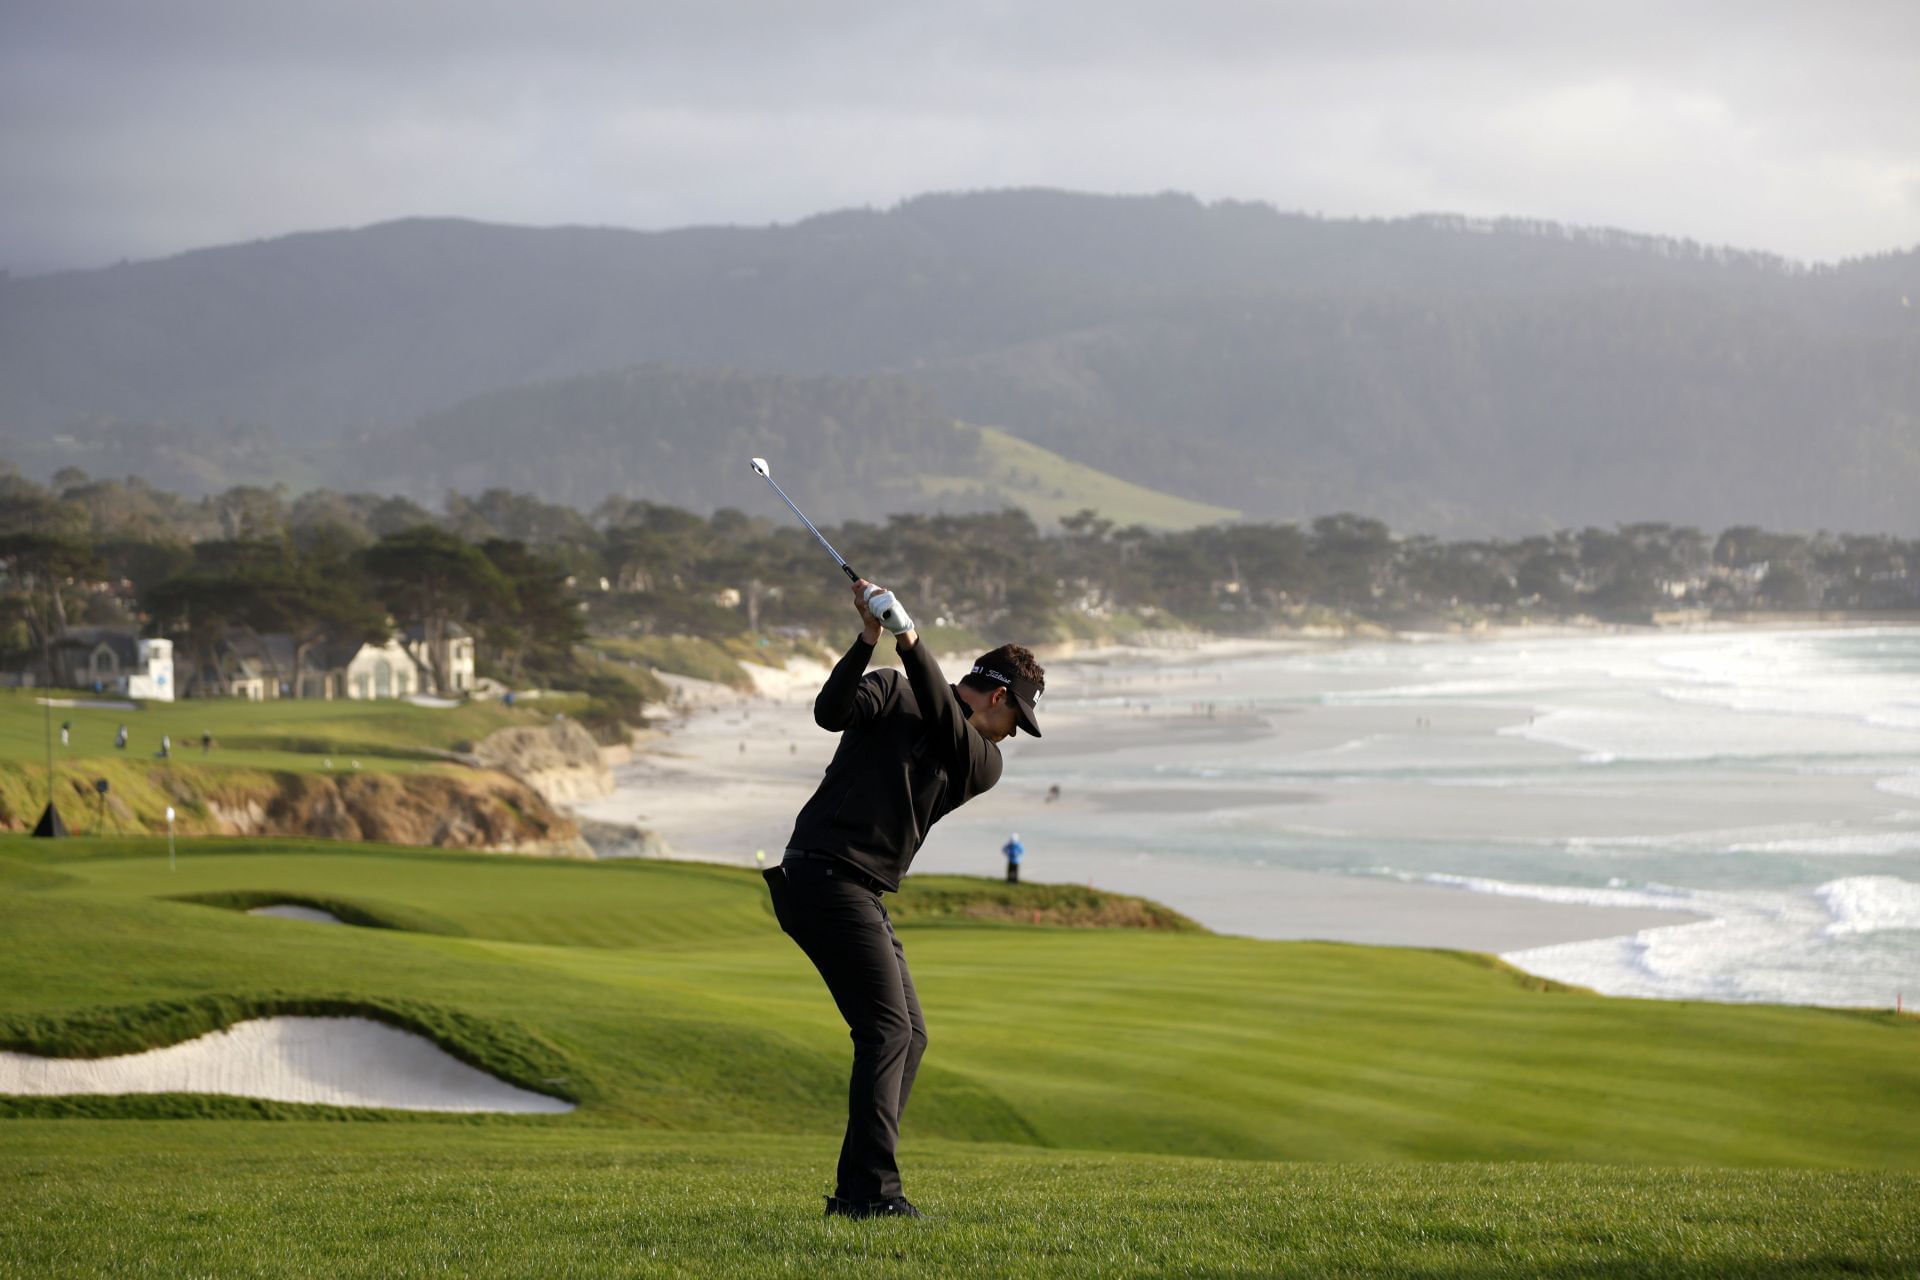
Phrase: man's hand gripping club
pixel 879 610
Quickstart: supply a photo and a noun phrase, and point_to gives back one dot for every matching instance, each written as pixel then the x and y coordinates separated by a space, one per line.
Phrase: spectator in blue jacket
pixel 1013 849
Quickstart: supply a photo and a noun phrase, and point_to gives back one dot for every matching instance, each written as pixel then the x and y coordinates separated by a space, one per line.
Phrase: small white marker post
pixel 170 865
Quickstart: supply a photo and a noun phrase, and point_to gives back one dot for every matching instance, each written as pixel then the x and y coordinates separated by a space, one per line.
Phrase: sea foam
pixel 1906 784
pixel 1802 946
pixel 1870 844
pixel 1870 904
pixel 1654 896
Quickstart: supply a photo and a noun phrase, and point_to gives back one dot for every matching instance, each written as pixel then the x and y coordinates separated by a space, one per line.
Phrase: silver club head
pixel 760 468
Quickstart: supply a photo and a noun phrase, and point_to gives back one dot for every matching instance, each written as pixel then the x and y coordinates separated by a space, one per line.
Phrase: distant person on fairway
pixel 913 748
pixel 1014 851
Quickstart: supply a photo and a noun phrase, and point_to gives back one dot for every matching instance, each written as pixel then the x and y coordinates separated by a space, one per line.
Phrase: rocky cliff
pixel 442 806
pixel 560 760
pixel 475 810
pixel 505 795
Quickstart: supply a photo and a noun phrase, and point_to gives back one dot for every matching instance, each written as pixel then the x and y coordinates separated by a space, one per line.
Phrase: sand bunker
pixel 344 1062
pixel 294 911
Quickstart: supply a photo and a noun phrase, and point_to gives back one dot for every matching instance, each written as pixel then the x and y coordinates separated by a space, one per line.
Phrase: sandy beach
pixel 726 776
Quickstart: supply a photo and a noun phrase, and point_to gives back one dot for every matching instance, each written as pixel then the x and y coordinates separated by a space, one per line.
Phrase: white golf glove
pixel 881 604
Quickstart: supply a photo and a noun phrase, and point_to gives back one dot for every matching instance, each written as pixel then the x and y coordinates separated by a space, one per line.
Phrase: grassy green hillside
pixel 1047 486
pixel 710 1071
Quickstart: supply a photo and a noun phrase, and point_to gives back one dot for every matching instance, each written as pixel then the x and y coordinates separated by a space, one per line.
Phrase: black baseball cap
pixel 1023 692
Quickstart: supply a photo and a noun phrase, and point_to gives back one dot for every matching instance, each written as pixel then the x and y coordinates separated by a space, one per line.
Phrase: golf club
pixel 881 603
pixel 760 469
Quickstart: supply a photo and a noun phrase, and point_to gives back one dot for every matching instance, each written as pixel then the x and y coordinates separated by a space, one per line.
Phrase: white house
pixel 459 657
pixel 152 676
pixel 115 659
pixel 258 667
pixel 386 670
pixel 353 670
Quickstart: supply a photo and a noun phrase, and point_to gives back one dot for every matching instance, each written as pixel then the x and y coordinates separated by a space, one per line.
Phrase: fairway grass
pixel 1096 1101
pixel 232 1198
pixel 299 734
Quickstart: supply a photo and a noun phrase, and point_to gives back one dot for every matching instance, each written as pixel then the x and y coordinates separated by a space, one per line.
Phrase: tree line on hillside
pixel 203 572
pixel 1449 375
pixel 534 579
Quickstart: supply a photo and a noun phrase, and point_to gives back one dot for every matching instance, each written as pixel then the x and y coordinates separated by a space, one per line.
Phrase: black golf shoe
pixel 891 1207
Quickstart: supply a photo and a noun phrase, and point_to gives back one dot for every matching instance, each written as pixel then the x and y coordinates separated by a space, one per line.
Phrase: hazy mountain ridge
pixel 1591 409
pixel 659 434
pixel 1441 373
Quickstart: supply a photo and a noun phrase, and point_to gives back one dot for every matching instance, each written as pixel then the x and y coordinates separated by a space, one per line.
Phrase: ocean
pixel 1761 785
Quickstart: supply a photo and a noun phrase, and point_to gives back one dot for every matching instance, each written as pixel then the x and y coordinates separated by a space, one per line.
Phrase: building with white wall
pixel 115 660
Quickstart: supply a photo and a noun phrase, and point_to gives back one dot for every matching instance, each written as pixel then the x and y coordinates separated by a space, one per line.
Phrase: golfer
pixel 912 749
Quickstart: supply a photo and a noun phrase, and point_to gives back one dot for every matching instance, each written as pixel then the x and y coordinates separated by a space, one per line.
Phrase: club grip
pixel 851 575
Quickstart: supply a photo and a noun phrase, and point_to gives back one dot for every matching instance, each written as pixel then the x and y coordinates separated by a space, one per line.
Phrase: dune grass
pixel 723 660
pixel 1095 1101
pixel 694 656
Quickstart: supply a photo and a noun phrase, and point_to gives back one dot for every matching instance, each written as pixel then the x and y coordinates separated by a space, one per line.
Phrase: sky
pixel 133 129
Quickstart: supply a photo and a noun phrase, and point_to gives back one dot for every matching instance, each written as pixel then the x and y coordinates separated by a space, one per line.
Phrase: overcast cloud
pixel 139 128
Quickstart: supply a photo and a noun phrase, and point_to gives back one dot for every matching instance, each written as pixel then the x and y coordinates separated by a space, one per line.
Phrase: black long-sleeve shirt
pixel 907 758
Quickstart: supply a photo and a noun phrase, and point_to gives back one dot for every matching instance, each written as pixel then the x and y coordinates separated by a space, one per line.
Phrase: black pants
pixel 843 928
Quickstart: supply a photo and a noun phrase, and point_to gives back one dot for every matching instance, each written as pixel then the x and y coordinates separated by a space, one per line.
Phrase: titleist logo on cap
pixel 991 674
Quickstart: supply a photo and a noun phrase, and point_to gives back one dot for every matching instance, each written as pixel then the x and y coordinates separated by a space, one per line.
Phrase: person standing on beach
pixel 1013 850
pixel 913 748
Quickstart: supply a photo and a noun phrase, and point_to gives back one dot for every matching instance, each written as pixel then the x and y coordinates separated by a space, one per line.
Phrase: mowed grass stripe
pixel 197 1197
pixel 1369 1040
pixel 707 1019
pixel 511 899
